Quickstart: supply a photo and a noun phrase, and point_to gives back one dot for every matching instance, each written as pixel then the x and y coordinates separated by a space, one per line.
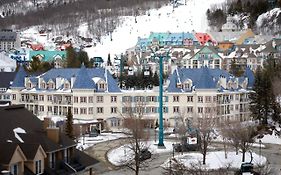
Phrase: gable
pixel 206 51
pixel 18 156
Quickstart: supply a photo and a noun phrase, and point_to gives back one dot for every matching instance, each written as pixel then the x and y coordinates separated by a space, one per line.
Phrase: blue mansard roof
pixel 19 78
pixel 204 78
pixel 84 77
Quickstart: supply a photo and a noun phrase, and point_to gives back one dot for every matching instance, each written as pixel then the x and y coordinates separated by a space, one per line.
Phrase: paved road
pixel 271 152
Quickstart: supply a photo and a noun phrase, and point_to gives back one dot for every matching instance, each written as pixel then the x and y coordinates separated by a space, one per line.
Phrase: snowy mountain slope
pixel 270 20
pixel 184 18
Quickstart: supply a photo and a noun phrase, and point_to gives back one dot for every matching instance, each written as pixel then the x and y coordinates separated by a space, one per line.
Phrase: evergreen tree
pixel 155 79
pixel 83 58
pixel 69 124
pixel 35 64
pixel 235 69
pixel 109 60
pixel 71 58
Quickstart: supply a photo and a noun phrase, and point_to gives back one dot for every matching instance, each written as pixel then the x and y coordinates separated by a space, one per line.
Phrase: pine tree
pixel 69 124
pixel 155 79
pixel 109 60
pixel 235 69
pixel 83 58
pixel 71 58
pixel 35 64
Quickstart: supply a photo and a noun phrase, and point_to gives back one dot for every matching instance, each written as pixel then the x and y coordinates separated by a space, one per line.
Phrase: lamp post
pixel 161 132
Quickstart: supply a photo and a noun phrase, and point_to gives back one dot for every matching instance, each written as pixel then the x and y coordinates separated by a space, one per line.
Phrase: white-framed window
pixel 51 85
pixel 38 167
pixel 41 97
pixel 189 98
pixel 14 96
pixel 75 110
pixel 176 98
pixel 91 99
pixel 83 110
pixel 75 99
pixel 41 108
pixel 176 109
pixel 83 99
pixel 113 110
pixel 113 99
pixel 66 86
pixel 151 99
pixel 99 110
pixel 208 99
pixel 43 85
pixel 102 86
pixel 200 110
pixel 139 98
pixel 200 99
pixel 99 99
pixel 28 85
pixel 91 110
pixel 189 109
pixel 50 109
pixel 49 98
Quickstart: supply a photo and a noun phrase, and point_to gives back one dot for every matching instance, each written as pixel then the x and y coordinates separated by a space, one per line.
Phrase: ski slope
pixel 184 18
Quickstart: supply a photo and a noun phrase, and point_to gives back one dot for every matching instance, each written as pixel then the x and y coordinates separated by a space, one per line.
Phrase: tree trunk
pixel 236 149
pixel 243 155
pixel 204 158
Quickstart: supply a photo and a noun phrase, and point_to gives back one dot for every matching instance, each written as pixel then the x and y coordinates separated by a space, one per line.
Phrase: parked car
pixel 186 147
pixel 93 133
pixel 145 154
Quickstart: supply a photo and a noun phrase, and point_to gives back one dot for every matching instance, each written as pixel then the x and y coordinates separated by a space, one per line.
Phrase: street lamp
pixel 161 55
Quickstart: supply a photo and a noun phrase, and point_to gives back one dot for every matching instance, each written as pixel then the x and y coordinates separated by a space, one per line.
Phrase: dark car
pixel 186 147
pixel 145 154
pixel 93 133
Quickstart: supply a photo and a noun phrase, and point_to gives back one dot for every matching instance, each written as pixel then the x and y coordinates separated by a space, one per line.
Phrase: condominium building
pixel 94 94
pixel 9 40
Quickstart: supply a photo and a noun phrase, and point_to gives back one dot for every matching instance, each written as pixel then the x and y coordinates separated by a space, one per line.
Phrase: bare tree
pixel 241 136
pixel 205 125
pixel 137 140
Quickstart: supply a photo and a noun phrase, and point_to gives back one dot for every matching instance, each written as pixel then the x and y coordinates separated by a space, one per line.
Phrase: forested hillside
pixel 66 15
pixel 245 11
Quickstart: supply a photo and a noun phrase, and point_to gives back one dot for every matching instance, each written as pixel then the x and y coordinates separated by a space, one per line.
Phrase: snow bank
pixel 216 160
pixel 123 154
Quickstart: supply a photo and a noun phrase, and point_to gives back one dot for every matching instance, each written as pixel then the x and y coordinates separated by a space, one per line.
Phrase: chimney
pixel 53 133
pixel 46 122
pixel 72 80
pixel 58 82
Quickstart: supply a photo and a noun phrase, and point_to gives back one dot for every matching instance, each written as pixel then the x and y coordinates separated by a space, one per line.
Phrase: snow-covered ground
pixel 86 142
pixel 216 160
pixel 271 139
pixel 184 18
pixel 122 154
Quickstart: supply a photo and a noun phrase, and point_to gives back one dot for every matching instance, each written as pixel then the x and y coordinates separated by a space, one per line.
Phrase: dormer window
pixel 43 85
pixel 186 86
pixel 51 85
pixel 102 86
pixel 28 85
pixel 179 85
pixel 66 85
